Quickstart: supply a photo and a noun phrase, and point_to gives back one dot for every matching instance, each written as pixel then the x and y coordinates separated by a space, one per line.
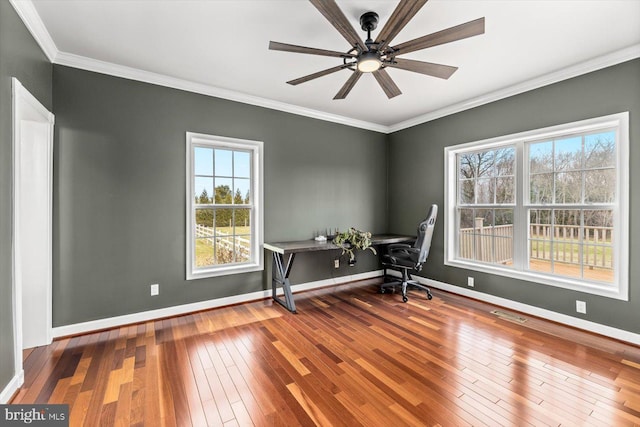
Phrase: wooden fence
pixel 226 241
pixel 596 242
pixel 488 244
pixel 495 244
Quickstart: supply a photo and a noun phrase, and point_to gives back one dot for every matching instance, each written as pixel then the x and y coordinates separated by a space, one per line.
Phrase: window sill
pixel 224 271
pixel 619 293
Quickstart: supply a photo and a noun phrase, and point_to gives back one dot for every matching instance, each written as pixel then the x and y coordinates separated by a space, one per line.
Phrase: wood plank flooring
pixel 351 357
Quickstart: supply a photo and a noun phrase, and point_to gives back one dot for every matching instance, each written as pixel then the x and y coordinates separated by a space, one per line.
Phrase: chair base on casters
pixel 405 281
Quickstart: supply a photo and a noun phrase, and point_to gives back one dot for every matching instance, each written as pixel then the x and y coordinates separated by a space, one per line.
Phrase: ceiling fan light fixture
pixel 375 56
pixel 368 62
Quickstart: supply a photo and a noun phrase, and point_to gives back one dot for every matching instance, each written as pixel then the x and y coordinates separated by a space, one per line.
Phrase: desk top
pixel 313 245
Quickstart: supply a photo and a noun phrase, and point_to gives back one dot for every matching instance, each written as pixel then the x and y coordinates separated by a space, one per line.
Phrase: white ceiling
pixel 221 48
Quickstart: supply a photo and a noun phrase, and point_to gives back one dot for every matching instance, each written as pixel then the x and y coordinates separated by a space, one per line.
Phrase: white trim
pixel 31 100
pixel 257 205
pixel 576 70
pixel 623 197
pixel 111 69
pixel 620 288
pixel 548 280
pixel 114 322
pixel 595 64
pixel 26 107
pixel 31 19
pixel 11 388
pixel 586 325
pixel 33 22
pixel 144 316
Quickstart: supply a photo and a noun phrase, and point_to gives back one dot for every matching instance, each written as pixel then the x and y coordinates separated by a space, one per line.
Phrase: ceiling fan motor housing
pixel 369 21
pixel 369 60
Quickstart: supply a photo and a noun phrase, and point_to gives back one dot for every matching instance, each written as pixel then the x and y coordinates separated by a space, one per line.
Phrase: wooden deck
pixel 351 357
pixel 573 270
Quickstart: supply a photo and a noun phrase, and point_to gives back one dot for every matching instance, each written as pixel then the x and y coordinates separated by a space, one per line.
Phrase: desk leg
pixel 281 276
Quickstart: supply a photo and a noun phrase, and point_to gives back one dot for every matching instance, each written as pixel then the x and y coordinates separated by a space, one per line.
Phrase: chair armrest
pixel 402 249
pixel 394 246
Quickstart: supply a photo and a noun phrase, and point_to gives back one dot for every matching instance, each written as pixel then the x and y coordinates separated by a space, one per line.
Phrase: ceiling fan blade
pixel 428 68
pixel 387 85
pixel 400 17
pixel 334 15
pixel 285 47
pixel 344 91
pixel 459 32
pixel 318 74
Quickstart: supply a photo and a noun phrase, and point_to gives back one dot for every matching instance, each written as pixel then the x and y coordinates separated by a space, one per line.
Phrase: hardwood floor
pixel 350 357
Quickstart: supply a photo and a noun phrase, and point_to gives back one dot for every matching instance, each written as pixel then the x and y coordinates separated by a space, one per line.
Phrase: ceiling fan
pixel 375 56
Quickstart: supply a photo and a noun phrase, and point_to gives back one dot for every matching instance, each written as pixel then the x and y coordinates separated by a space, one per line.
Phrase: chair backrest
pixel 425 233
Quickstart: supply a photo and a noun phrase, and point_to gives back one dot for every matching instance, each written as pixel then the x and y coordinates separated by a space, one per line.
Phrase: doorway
pixel 32 222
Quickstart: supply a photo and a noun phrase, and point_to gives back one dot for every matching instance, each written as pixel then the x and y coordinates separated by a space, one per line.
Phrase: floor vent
pixel 509 316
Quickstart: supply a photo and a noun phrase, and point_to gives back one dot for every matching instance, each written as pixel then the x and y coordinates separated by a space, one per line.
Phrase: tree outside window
pixel 224 208
pixel 548 205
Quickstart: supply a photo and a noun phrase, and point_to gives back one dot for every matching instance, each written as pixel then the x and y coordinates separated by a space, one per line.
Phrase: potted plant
pixel 351 240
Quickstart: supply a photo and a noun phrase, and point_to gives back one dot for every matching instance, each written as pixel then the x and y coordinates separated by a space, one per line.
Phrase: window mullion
pixel 520 214
pixel 546 168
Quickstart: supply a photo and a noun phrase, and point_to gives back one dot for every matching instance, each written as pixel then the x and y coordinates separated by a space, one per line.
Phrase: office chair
pixel 403 257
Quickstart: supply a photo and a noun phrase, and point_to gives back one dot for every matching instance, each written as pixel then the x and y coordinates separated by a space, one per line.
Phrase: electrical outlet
pixel 581 307
pixel 336 263
pixel 155 289
pixel 470 282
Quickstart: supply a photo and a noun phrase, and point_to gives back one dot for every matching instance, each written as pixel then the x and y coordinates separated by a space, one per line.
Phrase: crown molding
pixel 29 15
pixel 31 19
pixel 591 65
pixel 576 70
pixel 102 67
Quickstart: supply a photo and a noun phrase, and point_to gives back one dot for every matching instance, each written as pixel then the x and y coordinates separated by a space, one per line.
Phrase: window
pixel 486 205
pixel 549 206
pixel 224 206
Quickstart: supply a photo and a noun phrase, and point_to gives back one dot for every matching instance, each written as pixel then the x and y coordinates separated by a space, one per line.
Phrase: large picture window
pixel 224 206
pixel 549 205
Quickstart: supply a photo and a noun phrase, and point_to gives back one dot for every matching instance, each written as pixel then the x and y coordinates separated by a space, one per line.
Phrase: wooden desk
pixel 282 269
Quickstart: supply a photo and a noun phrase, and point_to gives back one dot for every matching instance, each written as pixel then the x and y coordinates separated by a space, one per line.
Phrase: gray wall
pixel 416 179
pixel 119 191
pixel 20 57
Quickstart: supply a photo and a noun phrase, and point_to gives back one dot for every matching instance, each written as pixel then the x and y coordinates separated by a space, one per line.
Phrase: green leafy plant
pixel 351 240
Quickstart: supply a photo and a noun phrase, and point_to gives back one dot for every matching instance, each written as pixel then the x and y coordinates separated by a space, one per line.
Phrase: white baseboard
pixel 608 331
pixel 12 387
pixel 144 316
pixel 113 322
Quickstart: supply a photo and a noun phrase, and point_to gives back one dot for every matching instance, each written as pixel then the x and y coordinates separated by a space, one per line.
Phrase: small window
pixel 549 206
pixel 224 206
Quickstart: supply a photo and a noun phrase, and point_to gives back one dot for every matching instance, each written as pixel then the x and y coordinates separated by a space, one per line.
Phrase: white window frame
pixel 256 263
pixel 619 289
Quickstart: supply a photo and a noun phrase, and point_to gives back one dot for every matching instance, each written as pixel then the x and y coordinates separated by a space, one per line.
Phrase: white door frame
pixel 27 107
